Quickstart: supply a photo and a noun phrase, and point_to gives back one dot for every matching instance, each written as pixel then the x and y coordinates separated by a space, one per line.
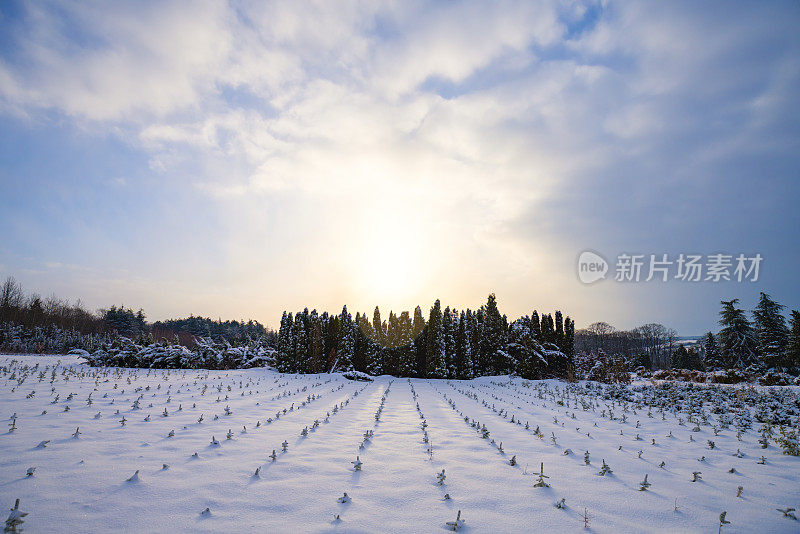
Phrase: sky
pixel 238 159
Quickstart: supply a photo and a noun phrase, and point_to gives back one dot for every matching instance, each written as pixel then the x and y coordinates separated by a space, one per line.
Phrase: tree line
pixel 30 323
pixel 448 344
pixel 763 340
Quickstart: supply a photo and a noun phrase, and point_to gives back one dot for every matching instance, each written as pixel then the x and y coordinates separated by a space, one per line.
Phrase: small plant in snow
pixel 723 520
pixel 605 469
pixel 15 519
pixel 540 482
pixel 789 442
pixel 357 464
pixel 787 512
pixel 134 477
pixel 561 504
pixel 644 484
pixel 344 498
pixel 30 471
pixel 696 476
pixel 457 524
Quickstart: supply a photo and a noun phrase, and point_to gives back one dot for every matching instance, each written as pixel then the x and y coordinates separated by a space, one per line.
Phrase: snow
pixel 89 483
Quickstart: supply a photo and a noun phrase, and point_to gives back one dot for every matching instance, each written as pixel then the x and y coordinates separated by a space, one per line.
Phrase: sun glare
pixel 389 259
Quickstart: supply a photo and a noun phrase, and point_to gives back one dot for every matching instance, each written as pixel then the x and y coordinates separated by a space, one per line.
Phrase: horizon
pixel 234 161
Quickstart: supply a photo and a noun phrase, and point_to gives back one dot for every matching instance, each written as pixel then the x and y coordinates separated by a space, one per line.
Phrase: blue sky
pixel 239 159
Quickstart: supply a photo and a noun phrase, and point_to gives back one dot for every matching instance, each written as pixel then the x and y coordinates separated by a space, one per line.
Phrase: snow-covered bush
pixel 775 378
pixel 49 339
pixel 357 375
pixel 207 354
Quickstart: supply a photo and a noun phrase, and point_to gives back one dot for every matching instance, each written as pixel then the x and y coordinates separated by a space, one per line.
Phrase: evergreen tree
pixel 559 331
pixel 693 360
pixel 315 344
pixel 680 358
pixel 330 339
pixel 492 338
pixel 406 359
pixel 378 327
pixel 346 342
pixel 737 340
pixel 364 339
pixel 418 324
pixel 300 346
pixel 283 360
pixel 712 359
pixel 548 331
pixel 480 363
pixel 435 355
pixel 569 345
pixel 793 344
pixel 421 352
pixel 449 327
pixel 536 326
pixel 524 350
pixel 771 332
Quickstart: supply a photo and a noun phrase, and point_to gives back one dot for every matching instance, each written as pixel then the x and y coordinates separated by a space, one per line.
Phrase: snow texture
pixel 96 474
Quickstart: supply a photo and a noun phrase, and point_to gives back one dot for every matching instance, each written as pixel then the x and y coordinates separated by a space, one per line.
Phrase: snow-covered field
pixel 84 481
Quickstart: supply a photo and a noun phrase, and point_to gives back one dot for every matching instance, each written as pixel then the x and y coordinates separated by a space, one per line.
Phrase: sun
pixel 389 261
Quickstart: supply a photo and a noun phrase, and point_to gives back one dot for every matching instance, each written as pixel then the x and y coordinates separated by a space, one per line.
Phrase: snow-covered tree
pixel 449 332
pixel 712 359
pixel 435 350
pixel 771 331
pixel 493 338
pixel 346 342
pixel 737 339
pixel 793 343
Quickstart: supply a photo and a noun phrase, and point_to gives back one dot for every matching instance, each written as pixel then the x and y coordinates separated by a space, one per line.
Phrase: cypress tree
pixel 559 331
pixel 449 331
pixel 536 326
pixel 569 346
pixel 793 344
pixel 300 345
pixel 737 340
pixel 435 344
pixel 680 358
pixel 406 356
pixel 492 338
pixel 712 359
pixel 285 344
pixel 378 328
pixel 772 334
pixel 418 324
pixel 481 365
pixel 346 342
pixel 315 344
